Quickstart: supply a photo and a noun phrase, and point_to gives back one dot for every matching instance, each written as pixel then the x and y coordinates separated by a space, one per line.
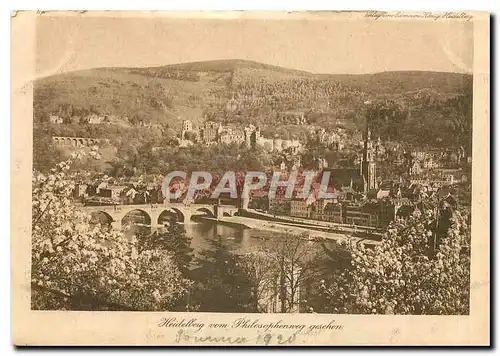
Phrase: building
pixel 210 132
pixel 259 200
pixel 279 206
pixel 390 207
pixel 54 119
pixel 320 209
pixel 232 136
pixel 266 143
pixel 296 163
pixel 332 212
pixel 317 209
pixel 148 125
pixel 252 135
pixel 380 150
pixel 419 155
pixel 111 191
pixel 453 176
pixel 361 215
pixel 93 119
pixel 300 208
pixel 442 177
pixel 187 126
pixel 343 178
pixel 383 192
pixel 430 163
pixel 274 144
pixel 415 168
pixel 80 191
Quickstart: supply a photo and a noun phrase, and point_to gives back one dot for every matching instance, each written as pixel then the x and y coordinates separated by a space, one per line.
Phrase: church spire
pixel 368 144
pixel 368 166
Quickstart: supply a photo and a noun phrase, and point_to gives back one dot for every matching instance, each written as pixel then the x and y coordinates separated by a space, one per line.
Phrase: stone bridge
pixel 156 214
pixel 77 141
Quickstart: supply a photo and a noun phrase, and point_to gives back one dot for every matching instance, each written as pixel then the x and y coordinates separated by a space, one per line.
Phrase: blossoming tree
pixel 84 266
pixel 407 273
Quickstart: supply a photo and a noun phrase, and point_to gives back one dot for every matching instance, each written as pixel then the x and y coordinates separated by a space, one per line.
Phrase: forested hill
pixel 406 81
pixel 224 66
pixel 240 91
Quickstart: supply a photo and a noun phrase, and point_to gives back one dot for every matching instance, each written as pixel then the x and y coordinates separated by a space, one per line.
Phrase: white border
pixel 5 153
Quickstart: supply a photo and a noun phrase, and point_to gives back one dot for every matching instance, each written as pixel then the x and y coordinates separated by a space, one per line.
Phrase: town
pixel 361 197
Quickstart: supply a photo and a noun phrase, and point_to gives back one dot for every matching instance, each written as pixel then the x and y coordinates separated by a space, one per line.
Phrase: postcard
pixel 250 178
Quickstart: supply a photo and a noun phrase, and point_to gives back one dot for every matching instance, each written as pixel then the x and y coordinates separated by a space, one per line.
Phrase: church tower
pixel 368 165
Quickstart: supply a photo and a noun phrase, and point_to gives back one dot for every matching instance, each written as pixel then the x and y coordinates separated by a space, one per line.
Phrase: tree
pixel 295 257
pixel 45 154
pixel 258 267
pixel 222 285
pixel 76 265
pixel 281 274
pixel 406 274
pixel 173 240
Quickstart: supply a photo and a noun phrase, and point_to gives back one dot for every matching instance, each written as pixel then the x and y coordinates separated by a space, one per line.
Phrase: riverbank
pixel 280 228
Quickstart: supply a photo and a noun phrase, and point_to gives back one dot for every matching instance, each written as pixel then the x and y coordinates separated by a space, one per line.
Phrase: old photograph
pixel 316 164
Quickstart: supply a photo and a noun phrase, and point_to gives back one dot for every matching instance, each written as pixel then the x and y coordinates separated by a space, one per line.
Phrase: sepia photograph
pixel 260 164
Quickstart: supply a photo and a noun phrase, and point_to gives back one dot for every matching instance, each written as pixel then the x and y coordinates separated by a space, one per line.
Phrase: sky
pixel 320 45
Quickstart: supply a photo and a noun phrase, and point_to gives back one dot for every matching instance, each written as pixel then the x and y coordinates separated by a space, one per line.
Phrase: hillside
pixel 240 92
pixel 121 92
pixel 405 81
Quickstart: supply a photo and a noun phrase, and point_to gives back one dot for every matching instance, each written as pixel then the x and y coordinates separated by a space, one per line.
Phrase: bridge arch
pixel 168 214
pixel 136 216
pixel 101 217
pixel 205 210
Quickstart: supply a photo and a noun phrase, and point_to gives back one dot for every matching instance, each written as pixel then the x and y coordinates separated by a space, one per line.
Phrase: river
pixel 237 238
pixel 242 239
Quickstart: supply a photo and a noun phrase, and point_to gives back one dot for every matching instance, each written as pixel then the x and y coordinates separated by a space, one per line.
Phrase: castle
pixel 212 133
